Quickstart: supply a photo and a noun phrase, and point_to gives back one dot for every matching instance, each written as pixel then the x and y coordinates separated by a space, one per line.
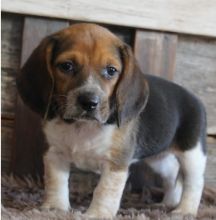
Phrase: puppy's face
pixel 86 66
pixel 83 73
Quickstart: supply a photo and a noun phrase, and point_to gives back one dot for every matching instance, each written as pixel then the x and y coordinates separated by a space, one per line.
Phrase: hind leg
pixel 192 164
pixel 167 166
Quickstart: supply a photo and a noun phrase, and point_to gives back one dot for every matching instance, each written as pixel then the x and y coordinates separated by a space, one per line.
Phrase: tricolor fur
pixel 102 114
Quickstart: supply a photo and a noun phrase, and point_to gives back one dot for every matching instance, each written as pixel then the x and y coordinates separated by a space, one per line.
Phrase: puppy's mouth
pixel 68 120
pixel 99 115
pixel 82 117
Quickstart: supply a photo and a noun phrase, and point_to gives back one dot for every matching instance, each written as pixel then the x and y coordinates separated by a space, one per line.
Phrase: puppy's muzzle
pixel 88 101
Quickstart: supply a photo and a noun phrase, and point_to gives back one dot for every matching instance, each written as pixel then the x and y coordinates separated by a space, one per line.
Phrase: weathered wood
pixel 210 175
pixel 156 52
pixel 212 131
pixel 34 30
pixel 30 143
pixel 8 96
pixel 11 39
pixel 11 34
pixel 167 15
pixel 6 143
pixel 196 70
pixel 10 48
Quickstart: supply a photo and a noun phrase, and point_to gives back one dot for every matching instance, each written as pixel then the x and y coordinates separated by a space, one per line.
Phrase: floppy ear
pixel 35 81
pixel 132 89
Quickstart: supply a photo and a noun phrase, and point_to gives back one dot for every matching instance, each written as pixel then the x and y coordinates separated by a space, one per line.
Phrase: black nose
pixel 88 101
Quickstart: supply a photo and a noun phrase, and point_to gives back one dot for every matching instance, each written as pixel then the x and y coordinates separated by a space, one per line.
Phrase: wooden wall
pixel 189 17
pixel 195 69
pixel 11 33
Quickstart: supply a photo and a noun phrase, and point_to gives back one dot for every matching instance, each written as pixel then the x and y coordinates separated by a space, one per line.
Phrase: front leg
pixel 108 193
pixel 56 182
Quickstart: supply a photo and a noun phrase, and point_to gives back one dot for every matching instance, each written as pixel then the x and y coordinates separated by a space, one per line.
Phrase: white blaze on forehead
pixel 92 84
pixel 90 80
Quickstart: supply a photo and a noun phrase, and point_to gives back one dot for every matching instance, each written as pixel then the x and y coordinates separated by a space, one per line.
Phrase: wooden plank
pixel 156 52
pixel 11 38
pixel 210 174
pixel 8 95
pixel 35 29
pixel 29 139
pixel 6 143
pixel 212 131
pixel 196 70
pixel 11 35
pixel 191 17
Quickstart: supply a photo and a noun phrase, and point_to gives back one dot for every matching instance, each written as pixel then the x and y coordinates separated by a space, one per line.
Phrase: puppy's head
pixel 83 72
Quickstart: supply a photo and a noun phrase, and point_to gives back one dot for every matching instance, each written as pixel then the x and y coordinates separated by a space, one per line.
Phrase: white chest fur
pixel 85 144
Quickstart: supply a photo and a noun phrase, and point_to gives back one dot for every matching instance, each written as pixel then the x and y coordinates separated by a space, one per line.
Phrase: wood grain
pixel 196 70
pixel 8 93
pixel 156 52
pixel 29 139
pixel 11 38
pixel 11 33
pixel 191 17
pixel 210 174
pixel 7 127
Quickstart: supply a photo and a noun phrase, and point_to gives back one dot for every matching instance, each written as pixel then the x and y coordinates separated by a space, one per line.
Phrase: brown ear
pixel 132 91
pixel 35 81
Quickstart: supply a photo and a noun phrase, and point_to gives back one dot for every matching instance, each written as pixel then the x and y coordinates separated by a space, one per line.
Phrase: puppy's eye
pixel 66 67
pixel 109 72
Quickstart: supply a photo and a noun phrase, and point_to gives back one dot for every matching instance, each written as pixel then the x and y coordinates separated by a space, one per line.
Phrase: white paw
pixel 97 214
pixel 170 204
pixel 50 206
pixel 185 211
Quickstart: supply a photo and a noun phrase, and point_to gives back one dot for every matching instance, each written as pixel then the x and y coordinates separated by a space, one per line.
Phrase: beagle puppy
pixel 102 114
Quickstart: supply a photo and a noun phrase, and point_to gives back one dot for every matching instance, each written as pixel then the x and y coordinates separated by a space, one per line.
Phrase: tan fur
pixel 91 52
pixel 121 151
